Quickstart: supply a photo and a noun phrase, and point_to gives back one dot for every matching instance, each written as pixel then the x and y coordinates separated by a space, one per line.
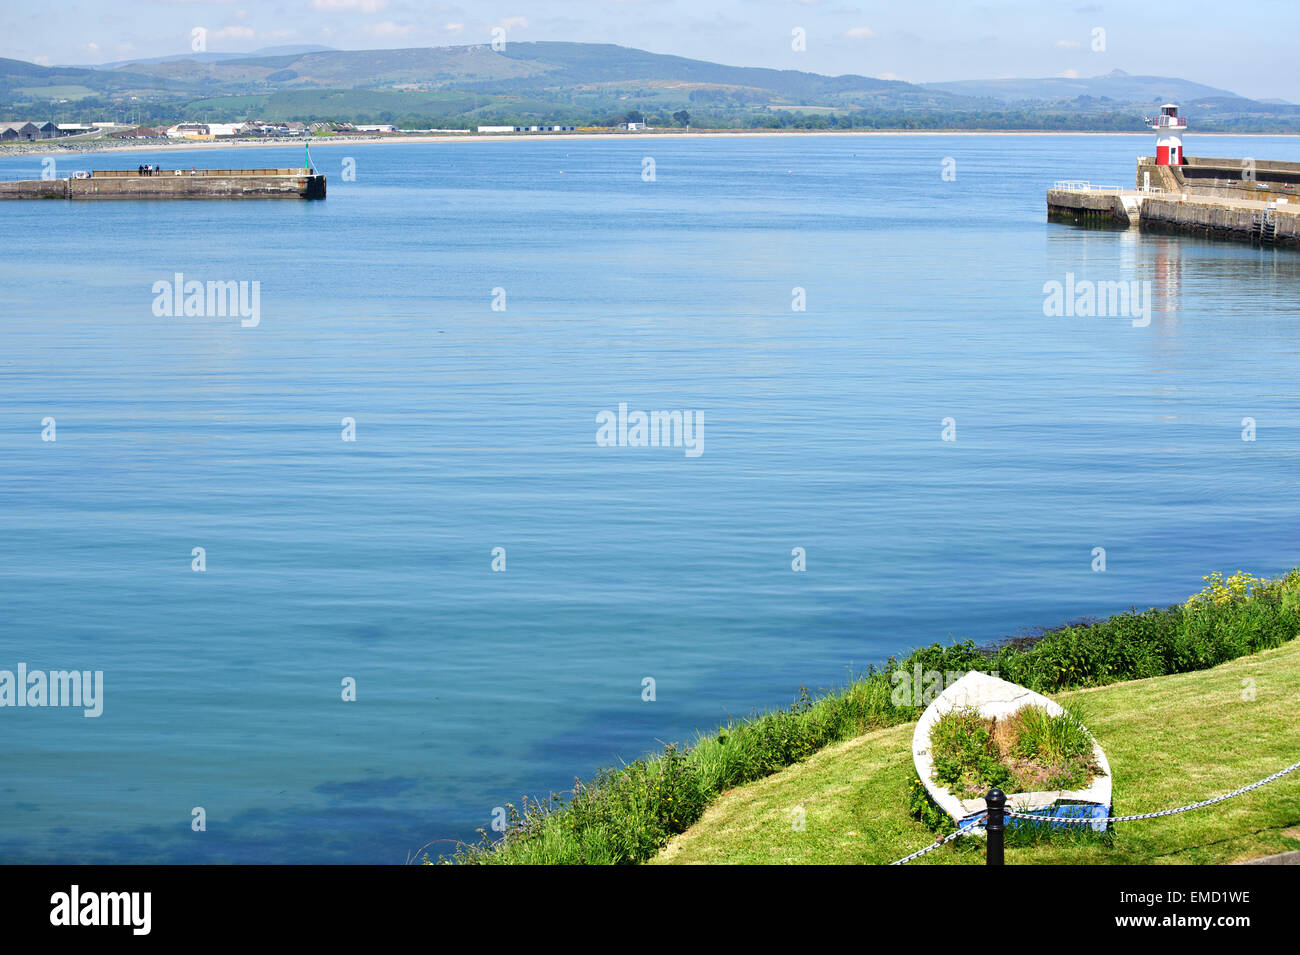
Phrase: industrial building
pixel 27 131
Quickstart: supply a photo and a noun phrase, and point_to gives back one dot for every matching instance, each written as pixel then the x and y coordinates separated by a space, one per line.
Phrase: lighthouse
pixel 1169 128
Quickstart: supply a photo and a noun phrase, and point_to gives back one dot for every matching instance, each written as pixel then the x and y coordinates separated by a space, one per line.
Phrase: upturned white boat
pixel 992 697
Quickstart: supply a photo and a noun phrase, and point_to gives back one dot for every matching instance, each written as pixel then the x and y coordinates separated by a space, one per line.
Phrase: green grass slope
pixel 1171 740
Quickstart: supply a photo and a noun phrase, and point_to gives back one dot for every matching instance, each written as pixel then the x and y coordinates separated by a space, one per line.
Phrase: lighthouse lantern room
pixel 1169 128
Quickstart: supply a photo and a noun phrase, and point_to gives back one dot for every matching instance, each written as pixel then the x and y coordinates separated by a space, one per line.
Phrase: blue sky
pixel 1239 47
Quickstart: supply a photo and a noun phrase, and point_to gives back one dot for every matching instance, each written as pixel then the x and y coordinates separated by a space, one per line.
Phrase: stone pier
pixel 174 184
pixel 1240 200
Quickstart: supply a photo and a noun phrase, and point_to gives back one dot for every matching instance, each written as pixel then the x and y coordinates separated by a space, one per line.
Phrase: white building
pixel 189 131
pixel 526 129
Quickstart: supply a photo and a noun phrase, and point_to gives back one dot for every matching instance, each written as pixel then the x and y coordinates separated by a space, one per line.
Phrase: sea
pixel 522 458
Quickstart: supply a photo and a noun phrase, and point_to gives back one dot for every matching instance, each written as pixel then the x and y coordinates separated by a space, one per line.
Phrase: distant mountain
pixel 212 57
pixel 521 67
pixel 292 48
pixel 1206 107
pixel 35 78
pixel 591 83
pixel 1116 86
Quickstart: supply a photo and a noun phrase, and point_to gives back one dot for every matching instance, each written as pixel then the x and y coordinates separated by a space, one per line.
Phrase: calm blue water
pixel 475 429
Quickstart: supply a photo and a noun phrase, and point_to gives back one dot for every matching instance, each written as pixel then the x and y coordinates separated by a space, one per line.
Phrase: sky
pixel 1241 47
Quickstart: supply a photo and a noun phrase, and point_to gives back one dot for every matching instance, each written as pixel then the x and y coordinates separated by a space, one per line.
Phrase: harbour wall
pixel 1221 219
pixel 1243 200
pixel 1091 208
pixel 1251 179
pixel 174 184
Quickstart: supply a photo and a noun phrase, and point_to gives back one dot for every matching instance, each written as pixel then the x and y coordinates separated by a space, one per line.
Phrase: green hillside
pixel 591 83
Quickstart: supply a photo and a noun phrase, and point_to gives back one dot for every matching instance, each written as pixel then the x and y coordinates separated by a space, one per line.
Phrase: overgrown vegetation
pixel 1047 751
pixel 967 759
pixel 1032 750
pixel 922 807
pixel 626 814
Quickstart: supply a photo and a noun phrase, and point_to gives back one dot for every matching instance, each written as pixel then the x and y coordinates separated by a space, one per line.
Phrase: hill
pixel 533 67
pixel 1117 86
pixel 588 83
pixel 210 57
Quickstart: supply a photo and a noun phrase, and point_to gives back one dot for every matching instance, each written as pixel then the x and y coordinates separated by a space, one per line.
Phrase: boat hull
pixel 993 697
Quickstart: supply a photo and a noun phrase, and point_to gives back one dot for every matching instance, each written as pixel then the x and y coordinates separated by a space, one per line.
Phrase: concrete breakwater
pixel 1241 200
pixel 173 184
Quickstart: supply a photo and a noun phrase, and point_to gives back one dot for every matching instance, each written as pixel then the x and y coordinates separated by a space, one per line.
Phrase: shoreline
pixel 660 795
pixel 1229 749
pixel 104 145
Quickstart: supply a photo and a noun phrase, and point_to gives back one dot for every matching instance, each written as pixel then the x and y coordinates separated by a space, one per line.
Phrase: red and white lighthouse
pixel 1169 128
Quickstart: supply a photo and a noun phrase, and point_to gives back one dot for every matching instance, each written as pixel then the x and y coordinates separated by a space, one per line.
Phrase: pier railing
pixel 1082 185
pixel 131 173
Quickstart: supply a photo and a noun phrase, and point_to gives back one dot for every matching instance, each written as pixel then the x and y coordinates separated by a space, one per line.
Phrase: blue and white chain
pixel 1155 815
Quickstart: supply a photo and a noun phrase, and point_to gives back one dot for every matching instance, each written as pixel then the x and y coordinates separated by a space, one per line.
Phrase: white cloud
pixel 361 6
pixel 1068 44
pixel 1069 75
pixel 510 23
pixel 860 33
pixel 453 27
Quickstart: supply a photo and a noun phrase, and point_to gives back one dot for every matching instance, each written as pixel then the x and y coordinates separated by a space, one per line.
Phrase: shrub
pixel 966 757
pixel 1031 750
pixel 923 808
pixel 1218 592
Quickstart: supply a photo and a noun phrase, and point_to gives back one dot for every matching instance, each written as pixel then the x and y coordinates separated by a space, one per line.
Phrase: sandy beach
pixel 112 145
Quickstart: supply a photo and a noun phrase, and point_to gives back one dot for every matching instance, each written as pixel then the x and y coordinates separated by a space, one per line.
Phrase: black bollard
pixel 995 825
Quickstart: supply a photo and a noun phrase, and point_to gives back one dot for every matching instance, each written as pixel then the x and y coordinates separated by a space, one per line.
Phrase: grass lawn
pixel 1171 740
